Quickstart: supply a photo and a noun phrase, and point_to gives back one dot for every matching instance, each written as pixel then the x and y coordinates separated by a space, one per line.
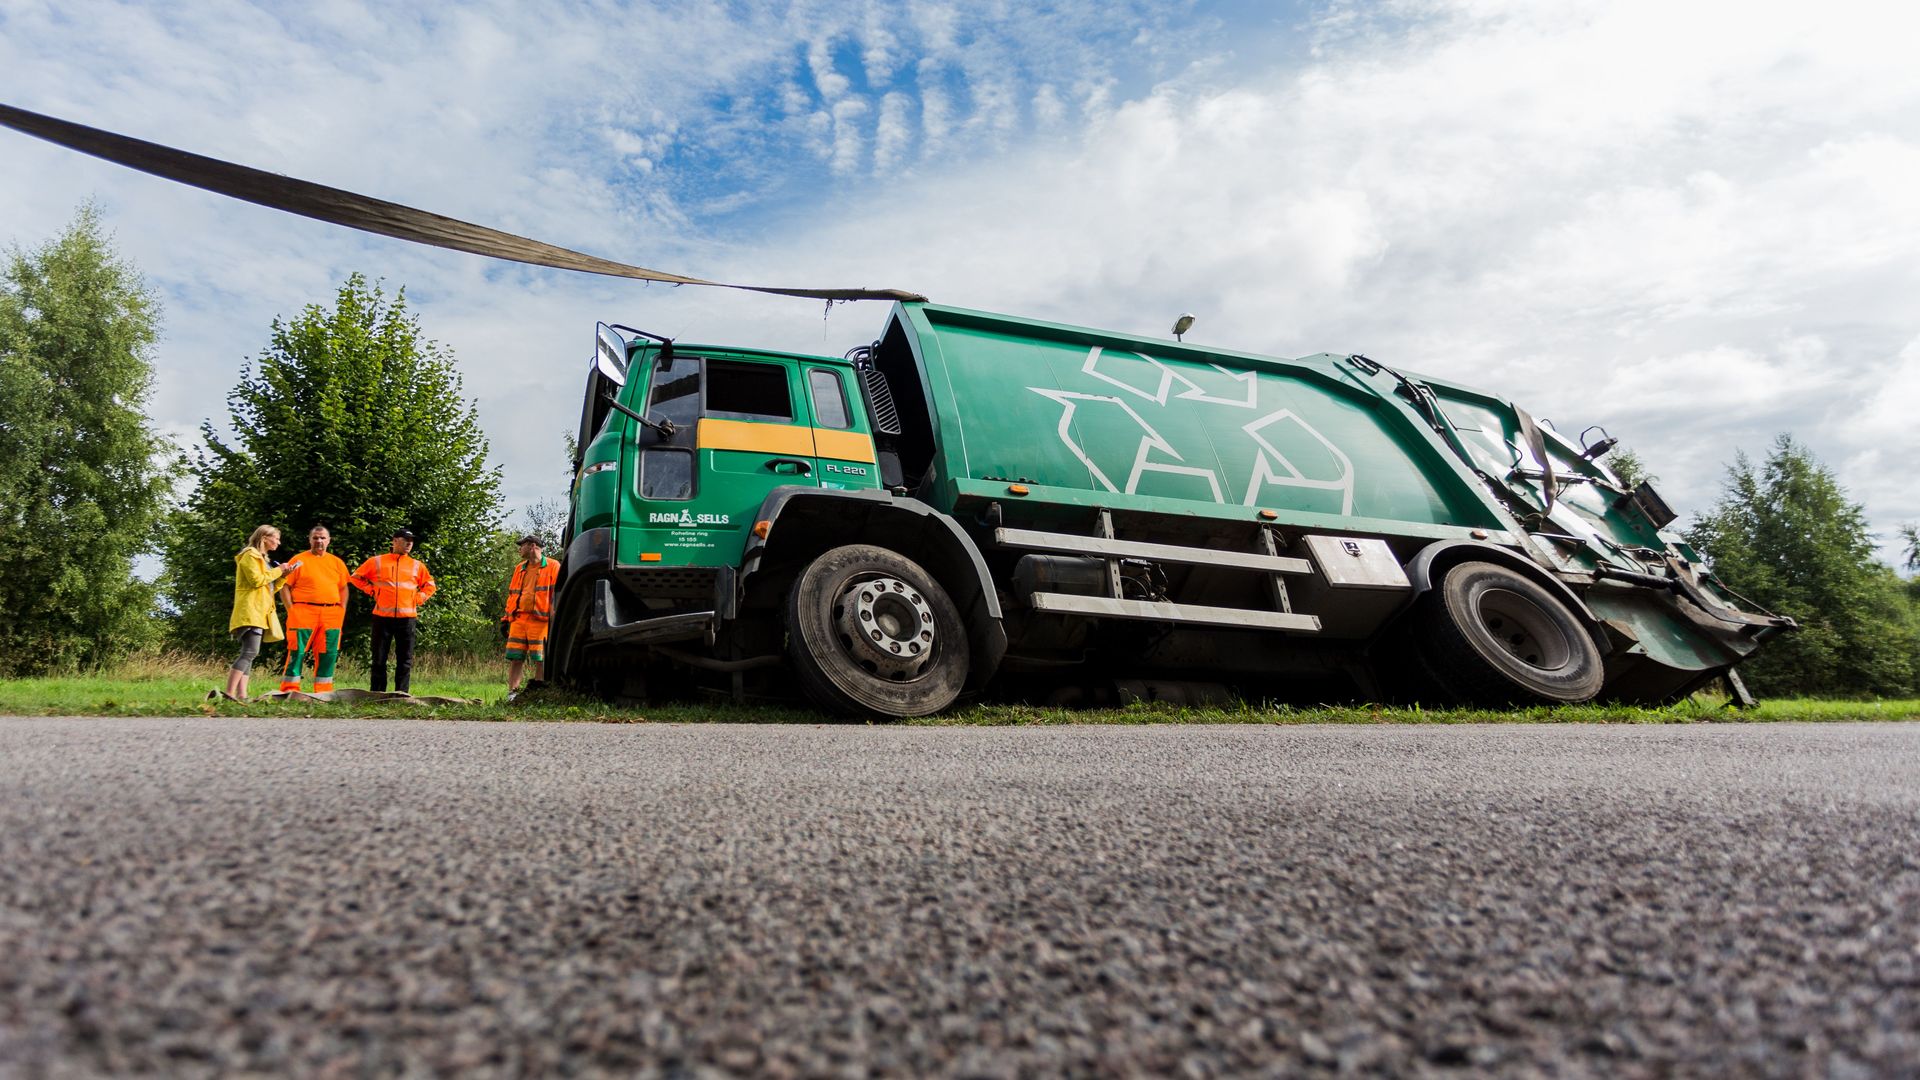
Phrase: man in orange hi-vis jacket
pixel 316 611
pixel 529 606
pixel 399 584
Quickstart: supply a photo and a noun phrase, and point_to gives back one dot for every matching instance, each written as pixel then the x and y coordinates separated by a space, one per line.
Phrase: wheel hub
pixel 1523 630
pixel 888 625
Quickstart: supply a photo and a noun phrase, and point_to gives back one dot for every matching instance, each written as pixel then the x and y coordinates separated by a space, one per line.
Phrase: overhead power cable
pixel 363 212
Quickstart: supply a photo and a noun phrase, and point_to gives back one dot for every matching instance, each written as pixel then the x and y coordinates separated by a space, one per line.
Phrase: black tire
pixel 566 664
pixel 1490 636
pixel 911 656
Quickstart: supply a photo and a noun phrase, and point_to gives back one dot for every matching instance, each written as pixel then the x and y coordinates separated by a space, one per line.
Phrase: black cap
pixel 404 534
pixel 531 539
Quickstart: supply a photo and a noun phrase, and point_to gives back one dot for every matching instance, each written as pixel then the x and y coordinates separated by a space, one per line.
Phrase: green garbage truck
pixel 977 504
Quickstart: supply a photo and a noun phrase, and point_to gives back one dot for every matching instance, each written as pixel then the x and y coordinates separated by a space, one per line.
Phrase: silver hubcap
pixel 887 626
pixel 1521 628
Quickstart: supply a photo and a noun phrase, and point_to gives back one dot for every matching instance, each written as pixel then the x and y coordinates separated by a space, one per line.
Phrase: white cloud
pixel 1698 224
pixel 1048 109
pixel 893 135
pixel 879 45
pixel 1893 403
pixel 1747 385
pixel 828 82
pixel 937 25
pixel 935 112
pixel 849 139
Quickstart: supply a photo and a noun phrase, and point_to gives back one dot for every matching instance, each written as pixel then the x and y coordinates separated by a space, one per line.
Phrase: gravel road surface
pixel 193 896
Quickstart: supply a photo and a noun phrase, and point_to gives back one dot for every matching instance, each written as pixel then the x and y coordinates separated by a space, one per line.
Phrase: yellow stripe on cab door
pixel 755 438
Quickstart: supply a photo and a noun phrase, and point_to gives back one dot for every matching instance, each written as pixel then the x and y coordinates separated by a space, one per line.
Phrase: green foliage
pixel 84 479
pixel 1910 535
pixel 546 519
pixel 502 553
pixel 1785 536
pixel 1628 467
pixel 351 419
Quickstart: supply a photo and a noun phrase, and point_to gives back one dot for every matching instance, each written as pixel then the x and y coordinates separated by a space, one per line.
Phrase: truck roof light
pixel 1268 515
pixel 762 528
pixel 1017 489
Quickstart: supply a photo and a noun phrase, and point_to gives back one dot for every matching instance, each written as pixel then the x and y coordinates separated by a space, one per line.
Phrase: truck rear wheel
pixel 1490 636
pixel 872 634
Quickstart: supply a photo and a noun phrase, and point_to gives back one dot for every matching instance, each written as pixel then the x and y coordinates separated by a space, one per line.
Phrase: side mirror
pixel 610 354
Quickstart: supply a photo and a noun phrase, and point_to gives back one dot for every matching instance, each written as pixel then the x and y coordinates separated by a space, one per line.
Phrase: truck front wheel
pixel 871 634
pixel 1490 636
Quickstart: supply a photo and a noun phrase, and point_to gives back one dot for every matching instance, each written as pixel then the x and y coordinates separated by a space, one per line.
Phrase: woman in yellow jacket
pixel 254 621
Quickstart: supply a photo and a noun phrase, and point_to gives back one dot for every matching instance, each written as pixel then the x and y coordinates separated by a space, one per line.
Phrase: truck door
pixel 740 429
pixel 754 434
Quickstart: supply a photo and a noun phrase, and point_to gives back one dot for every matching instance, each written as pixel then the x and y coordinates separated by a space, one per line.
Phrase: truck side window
pixel 748 391
pixel 676 394
pixel 666 466
pixel 829 399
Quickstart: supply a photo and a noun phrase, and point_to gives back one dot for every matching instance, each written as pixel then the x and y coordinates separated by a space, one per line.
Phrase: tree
pixel 1626 465
pixel 546 519
pixel 1785 536
pixel 353 419
pixel 84 478
pixel 1911 535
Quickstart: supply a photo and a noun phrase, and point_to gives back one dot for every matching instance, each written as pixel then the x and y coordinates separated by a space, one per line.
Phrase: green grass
pixel 170 686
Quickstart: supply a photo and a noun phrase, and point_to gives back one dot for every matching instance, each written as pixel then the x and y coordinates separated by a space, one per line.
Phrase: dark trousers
pixel 398 632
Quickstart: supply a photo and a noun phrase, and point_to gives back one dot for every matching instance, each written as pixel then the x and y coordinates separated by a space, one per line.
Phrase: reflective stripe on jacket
pixel 530 596
pixel 397 583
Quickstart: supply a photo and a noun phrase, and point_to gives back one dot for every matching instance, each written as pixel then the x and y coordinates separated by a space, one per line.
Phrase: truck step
pixel 1072 604
pixel 1097 546
pixel 607 626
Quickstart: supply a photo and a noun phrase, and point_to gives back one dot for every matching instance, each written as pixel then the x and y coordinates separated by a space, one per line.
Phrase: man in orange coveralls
pixel 399 584
pixel 316 611
pixel 529 606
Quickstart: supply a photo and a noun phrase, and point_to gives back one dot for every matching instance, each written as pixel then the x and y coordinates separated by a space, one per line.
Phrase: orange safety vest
pixel 397 583
pixel 530 596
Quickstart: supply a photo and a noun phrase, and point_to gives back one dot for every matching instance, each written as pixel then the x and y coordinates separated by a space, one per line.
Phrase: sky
pixel 1697 224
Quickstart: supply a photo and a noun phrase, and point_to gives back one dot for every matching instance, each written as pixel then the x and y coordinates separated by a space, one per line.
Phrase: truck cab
pixel 694 438
pixel 682 447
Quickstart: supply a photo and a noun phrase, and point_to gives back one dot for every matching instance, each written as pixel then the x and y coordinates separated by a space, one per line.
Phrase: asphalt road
pixel 378 897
